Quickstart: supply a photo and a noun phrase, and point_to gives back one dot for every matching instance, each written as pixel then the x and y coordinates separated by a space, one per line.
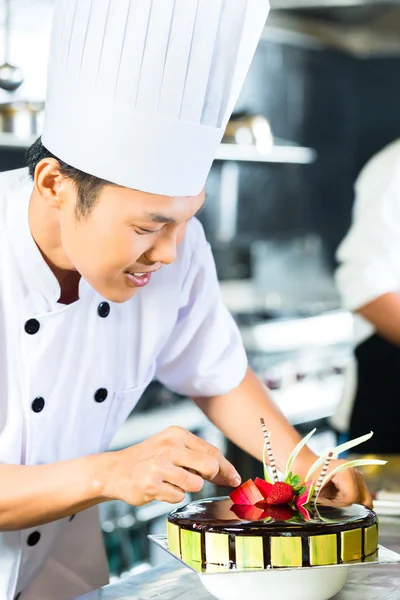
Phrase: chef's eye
pixel 141 231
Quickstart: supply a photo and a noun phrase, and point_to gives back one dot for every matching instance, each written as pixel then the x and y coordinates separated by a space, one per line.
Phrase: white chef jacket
pixel 176 329
pixel 369 256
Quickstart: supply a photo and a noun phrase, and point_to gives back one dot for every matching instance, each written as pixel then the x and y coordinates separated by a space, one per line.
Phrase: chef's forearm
pixel 384 314
pixel 237 414
pixel 35 495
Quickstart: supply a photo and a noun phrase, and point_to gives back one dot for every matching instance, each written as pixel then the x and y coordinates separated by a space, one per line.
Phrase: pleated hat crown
pixel 140 91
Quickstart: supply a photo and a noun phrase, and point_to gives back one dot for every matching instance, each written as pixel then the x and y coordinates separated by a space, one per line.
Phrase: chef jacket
pixel 369 255
pixel 71 375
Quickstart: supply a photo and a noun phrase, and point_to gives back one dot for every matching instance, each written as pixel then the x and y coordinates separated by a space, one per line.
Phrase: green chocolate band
pixel 323 550
pixel 286 551
pixel 249 552
pixel 200 549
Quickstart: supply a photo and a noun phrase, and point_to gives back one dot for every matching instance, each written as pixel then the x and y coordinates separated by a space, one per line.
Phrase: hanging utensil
pixel 11 77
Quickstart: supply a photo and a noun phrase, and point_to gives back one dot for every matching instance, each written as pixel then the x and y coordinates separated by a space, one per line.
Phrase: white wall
pixel 30 25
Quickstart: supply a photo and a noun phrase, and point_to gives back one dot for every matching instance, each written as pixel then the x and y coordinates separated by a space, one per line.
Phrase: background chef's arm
pixel 368 276
pixel 384 314
pixel 237 414
pixel 32 496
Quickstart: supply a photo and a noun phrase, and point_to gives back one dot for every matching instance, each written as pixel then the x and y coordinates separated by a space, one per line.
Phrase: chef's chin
pixel 115 294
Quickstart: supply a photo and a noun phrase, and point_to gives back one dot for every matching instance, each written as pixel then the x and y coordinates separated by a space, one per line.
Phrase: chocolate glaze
pixel 215 515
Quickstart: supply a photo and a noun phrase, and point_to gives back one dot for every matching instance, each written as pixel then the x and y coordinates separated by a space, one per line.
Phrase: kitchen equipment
pixel 23 118
pixel 249 130
pixel 11 77
pixel 293 274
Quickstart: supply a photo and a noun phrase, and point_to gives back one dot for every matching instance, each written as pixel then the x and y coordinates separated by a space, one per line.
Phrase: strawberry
pixel 306 495
pixel 264 487
pixel 304 513
pixel 281 493
pixel 278 513
pixel 246 494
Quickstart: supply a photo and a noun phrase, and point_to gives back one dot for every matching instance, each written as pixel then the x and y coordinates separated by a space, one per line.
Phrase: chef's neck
pixel 45 230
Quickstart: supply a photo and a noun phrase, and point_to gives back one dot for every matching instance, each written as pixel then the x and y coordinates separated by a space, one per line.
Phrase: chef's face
pixel 127 235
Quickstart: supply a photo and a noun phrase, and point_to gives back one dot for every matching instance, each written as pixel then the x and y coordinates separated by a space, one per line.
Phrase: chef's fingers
pixel 181 478
pixel 203 464
pixel 226 475
pixel 168 492
pixel 365 497
pixel 342 488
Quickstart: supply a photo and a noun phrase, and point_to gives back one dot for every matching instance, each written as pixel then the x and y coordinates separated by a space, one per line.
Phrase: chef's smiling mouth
pixel 138 279
pixel 141 273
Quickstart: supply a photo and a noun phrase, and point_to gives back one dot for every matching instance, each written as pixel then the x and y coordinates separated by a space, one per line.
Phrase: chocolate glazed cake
pixel 209 534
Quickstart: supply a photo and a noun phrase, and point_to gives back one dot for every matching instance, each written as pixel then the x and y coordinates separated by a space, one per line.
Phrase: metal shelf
pixel 11 141
pixel 282 152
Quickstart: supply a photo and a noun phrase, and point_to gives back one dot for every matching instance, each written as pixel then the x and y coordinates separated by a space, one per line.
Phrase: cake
pixel 210 534
pixel 276 522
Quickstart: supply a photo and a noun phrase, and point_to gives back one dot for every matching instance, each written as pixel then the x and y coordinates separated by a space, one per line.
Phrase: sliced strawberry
pixel 264 487
pixel 246 494
pixel 306 496
pixel 247 513
pixel 304 512
pixel 281 493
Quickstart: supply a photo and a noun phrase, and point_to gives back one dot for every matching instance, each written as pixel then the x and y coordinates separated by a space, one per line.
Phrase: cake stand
pixel 299 583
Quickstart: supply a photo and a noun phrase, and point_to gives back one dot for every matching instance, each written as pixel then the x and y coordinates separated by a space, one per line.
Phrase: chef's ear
pixel 49 182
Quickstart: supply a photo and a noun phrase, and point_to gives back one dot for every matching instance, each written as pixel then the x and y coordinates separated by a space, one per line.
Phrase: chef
pixel 107 281
pixel 369 281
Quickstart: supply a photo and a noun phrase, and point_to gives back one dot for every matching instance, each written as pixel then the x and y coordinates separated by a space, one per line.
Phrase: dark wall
pixel 11 159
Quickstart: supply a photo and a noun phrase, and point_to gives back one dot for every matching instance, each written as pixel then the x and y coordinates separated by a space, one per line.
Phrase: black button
pixel 32 326
pixel 71 518
pixel 18 596
pixel 101 395
pixel 38 405
pixel 33 538
pixel 104 310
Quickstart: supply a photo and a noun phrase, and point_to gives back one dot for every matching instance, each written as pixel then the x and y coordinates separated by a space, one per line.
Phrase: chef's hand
pixel 165 467
pixel 345 488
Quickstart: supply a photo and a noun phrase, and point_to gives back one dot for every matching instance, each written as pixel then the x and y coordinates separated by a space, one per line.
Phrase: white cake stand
pixel 289 583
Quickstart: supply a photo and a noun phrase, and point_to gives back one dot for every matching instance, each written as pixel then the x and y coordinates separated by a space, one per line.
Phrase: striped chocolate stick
pixel 271 459
pixel 321 478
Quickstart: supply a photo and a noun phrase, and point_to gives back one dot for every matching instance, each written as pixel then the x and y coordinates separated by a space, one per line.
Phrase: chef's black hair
pixel 87 186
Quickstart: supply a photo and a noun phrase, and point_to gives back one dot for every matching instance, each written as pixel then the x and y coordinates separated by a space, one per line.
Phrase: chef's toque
pixel 140 91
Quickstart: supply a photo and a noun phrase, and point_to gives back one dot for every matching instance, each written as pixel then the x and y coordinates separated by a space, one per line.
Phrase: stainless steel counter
pixel 172 580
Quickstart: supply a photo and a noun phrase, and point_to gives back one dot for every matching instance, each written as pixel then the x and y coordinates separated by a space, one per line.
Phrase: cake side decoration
pixel 301 496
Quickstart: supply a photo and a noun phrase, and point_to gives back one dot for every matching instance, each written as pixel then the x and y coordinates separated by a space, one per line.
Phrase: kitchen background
pixel 321 98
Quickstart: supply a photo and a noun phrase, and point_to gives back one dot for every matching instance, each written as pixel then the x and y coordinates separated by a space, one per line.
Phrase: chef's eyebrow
pixel 159 218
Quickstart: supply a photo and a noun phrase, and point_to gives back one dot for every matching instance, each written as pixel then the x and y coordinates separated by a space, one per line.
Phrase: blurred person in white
pixel 368 278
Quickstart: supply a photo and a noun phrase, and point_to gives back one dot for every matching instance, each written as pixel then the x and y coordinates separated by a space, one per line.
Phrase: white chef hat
pixel 140 91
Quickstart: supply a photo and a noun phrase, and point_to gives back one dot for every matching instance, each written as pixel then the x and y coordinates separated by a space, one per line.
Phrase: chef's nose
pixel 164 249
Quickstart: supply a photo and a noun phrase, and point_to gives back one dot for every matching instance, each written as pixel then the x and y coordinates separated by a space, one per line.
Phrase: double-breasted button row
pixel 32 326
pixel 39 403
